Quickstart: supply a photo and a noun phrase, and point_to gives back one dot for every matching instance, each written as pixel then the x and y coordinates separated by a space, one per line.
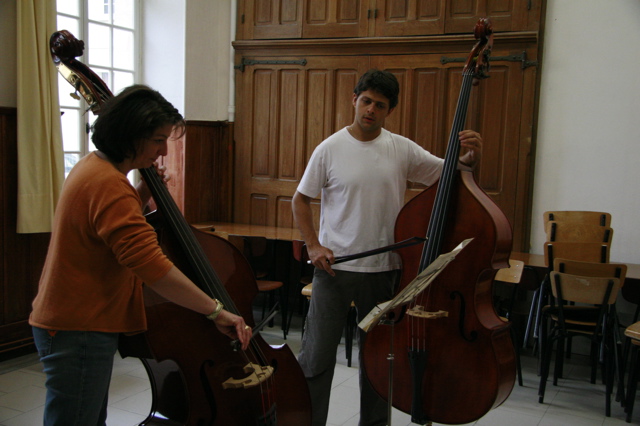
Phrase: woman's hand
pixel 234 326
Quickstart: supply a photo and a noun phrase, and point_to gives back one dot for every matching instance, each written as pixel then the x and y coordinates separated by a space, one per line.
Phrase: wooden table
pixel 269 232
pixel 281 237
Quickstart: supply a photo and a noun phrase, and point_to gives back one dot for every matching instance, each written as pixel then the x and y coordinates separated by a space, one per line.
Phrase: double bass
pixel 454 359
pixel 197 375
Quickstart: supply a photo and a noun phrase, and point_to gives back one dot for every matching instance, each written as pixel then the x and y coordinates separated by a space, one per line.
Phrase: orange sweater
pixel 101 251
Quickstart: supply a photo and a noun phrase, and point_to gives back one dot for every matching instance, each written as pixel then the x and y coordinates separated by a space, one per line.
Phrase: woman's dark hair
pixel 382 82
pixel 128 118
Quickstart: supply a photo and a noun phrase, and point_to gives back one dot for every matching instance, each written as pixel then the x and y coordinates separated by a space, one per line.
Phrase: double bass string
pixel 209 278
pixel 437 223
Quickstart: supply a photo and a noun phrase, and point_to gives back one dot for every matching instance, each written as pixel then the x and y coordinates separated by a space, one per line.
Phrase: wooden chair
pixel 574 321
pixel 256 251
pixel 571 234
pixel 511 276
pixel 631 294
pixel 586 217
pixel 633 334
pixel 578 232
pixel 585 252
pixel 617 270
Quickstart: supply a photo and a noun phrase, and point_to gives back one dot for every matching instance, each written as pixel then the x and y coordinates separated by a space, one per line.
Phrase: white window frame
pixel 80 108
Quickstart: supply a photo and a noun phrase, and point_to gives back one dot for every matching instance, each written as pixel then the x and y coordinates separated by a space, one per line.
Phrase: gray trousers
pixel 328 310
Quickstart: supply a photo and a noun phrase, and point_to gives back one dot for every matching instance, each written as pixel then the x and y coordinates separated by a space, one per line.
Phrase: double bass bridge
pixel 256 375
pixel 419 312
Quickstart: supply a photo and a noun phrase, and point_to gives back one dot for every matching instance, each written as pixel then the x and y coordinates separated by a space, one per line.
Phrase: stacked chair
pixel 577 235
pixel 633 334
pixel 577 297
pixel 591 317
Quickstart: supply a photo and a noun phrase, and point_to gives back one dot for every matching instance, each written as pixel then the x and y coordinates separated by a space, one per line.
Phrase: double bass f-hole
pixel 473 335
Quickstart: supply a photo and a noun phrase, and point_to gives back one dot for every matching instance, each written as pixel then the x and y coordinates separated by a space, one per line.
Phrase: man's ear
pixel 355 98
pixel 391 110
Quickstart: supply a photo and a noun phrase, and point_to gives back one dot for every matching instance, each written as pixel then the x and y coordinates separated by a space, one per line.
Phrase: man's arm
pixel 320 256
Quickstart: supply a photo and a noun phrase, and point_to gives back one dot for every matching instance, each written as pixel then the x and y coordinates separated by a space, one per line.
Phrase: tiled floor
pixel 574 402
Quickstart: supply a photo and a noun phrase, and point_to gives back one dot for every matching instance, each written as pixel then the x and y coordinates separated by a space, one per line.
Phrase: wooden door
pixel 331 19
pixel 409 17
pixel 269 19
pixel 284 112
pixel 428 98
pixel 505 15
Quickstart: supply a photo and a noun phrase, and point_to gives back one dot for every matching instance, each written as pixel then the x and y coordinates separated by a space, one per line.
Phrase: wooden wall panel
pixel 22 254
pixel 270 19
pixel 201 165
pixel 285 142
pixel 410 17
pixel 430 76
pixel 342 18
pixel 306 106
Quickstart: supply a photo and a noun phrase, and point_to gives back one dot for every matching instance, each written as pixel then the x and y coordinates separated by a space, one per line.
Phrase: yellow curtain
pixel 40 152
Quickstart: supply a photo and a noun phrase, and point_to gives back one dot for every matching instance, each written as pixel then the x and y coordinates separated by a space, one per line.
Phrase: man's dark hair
pixel 128 118
pixel 382 82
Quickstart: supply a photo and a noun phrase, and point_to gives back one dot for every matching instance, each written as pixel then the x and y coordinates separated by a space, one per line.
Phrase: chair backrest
pixel 587 217
pixel 584 252
pixel 591 269
pixel 587 290
pixel 299 250
pixel 578 232
pixel 512 274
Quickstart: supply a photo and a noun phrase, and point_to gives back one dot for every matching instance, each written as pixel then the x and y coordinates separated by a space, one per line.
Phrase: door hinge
pixel 522 58
pixel 248 62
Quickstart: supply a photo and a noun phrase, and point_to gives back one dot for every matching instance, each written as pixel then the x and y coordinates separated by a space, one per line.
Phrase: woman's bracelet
pixel 219 307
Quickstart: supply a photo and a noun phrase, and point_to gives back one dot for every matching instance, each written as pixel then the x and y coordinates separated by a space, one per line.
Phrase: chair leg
pixel 283 311
pixel 348 333
pixel 544 369
pixel 516 347
pixel 619 364
pixel 559 365
pixel 531 320
pixel 633 382
pixel 608 368
pixel 595 360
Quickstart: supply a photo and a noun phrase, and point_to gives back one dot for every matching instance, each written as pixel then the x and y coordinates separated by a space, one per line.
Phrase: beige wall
pixel 588 145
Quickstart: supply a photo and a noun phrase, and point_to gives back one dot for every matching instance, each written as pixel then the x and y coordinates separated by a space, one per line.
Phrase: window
pixel 109 31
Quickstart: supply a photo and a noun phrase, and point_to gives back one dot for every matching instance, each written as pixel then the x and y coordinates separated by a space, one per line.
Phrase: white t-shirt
pixel 363 186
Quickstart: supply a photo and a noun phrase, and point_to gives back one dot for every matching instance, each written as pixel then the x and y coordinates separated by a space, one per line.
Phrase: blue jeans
pixel 78 366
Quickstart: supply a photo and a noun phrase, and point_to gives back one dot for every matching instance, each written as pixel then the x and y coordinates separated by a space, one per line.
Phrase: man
pixel 361 172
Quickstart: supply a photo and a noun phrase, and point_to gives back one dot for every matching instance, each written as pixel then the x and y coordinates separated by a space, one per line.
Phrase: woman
pixel 102 249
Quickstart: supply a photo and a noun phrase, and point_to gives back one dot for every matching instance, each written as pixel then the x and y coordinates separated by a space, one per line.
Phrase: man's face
pixel 372 108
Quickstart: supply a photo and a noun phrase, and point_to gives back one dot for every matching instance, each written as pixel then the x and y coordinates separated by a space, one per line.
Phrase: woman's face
pixel 151 148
